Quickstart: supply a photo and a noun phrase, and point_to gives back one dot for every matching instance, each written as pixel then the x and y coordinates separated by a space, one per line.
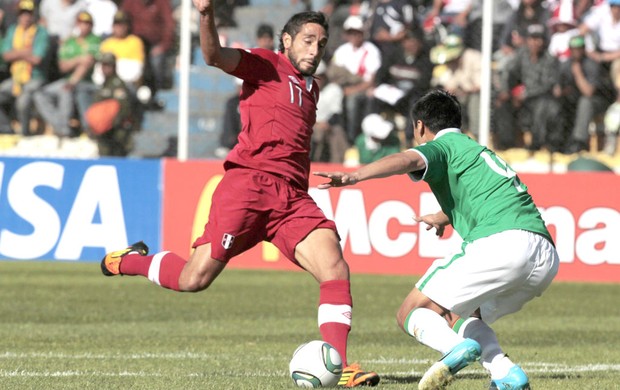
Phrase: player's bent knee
pixel 337 272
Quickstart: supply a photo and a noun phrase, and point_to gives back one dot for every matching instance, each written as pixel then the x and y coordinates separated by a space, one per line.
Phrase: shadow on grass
pixel 400 379
pixel 406 379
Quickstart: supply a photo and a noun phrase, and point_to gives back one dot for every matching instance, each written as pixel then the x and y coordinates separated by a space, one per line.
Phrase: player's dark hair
pixel 438 110
pixel 294 24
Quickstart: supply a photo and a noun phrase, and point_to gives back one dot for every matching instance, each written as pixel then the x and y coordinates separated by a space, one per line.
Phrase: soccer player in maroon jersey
pixel 263 195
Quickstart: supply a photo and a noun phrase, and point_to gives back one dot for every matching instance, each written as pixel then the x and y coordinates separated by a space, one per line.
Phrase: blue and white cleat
pixel 515 380
pixel 442 373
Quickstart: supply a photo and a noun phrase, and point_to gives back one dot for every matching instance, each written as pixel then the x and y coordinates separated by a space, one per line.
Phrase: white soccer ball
pixel 316 364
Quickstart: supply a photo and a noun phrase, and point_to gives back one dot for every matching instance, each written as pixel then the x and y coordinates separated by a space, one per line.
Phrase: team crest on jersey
pixel 293 79
pixel 227 240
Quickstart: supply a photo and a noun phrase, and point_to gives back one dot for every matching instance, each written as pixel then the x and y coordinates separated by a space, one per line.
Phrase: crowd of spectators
pixel 62 61
pixel 556 68
pixel 556 63
pixel 556 72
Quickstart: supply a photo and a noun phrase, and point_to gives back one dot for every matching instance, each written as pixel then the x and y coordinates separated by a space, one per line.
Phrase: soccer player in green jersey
pixel 507 257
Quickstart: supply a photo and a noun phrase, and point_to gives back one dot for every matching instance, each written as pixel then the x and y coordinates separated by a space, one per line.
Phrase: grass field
pixel 65 326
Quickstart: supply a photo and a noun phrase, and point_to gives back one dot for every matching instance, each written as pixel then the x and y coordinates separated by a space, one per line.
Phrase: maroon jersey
pixel 278 111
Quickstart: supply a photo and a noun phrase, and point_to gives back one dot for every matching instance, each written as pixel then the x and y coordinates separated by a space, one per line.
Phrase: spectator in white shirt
pixel 353 66
pixel 563 26
pixel 59 16
pixel 604 22
pixel 103 12
pixel 329 141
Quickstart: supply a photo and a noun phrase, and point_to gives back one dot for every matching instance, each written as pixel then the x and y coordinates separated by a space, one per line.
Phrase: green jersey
pixel 476 189
pixel 75 47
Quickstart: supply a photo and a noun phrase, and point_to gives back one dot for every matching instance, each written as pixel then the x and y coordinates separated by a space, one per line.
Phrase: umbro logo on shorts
pixel 227 240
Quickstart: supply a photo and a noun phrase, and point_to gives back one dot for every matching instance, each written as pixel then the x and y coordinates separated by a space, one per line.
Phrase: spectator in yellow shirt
pixel 128 49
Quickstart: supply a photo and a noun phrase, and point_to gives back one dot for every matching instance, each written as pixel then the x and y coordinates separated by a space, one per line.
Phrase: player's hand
pixel 202 5
pixel 437 221
pixel 337 179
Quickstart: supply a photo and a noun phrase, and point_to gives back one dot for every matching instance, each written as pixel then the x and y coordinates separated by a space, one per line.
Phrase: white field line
pixel 544 367
pixel 88 355
pixel 136 374
pixel 64 374
pixel 530 367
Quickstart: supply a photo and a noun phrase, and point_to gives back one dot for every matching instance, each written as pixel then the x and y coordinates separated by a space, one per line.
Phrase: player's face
pixel 307 49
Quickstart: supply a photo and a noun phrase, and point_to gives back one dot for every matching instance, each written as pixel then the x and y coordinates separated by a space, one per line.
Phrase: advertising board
pixel 378 232
pixel 58 209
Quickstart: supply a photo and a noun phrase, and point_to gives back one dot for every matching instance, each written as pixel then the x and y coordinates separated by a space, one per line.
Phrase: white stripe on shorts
pixel 155 266
pixel 334 313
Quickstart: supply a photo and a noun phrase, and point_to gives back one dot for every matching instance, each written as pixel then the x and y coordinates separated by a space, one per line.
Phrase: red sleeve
pixel 257 65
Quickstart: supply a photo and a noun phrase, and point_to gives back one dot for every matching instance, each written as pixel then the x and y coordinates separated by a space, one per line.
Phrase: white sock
pixel 432 330
pixel 499 366
pixel 492 358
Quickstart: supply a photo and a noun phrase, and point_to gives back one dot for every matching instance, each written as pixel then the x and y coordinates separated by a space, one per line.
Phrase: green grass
pixel 65 326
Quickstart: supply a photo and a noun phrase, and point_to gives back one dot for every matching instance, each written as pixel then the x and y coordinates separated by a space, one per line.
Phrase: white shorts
pixel 497 274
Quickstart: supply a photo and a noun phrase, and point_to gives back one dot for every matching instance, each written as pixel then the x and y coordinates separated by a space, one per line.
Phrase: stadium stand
pixel 210 88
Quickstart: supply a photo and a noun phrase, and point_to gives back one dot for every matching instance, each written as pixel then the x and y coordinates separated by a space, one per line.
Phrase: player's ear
pixel 287 40
pixel 419 126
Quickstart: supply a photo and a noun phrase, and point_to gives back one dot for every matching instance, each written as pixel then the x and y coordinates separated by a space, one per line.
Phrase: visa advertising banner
pixel 378 232
pixel 56 209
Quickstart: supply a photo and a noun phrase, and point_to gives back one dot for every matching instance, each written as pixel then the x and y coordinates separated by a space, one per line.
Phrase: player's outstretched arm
pixel 213 53
pixel 395 164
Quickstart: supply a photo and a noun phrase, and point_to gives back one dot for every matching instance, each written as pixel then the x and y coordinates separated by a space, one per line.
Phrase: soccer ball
pixel 316 364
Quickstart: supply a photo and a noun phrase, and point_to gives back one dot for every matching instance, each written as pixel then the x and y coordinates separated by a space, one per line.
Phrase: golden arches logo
pixel 201 216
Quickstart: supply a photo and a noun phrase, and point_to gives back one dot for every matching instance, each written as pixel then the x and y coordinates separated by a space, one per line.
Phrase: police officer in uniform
pixel 118 140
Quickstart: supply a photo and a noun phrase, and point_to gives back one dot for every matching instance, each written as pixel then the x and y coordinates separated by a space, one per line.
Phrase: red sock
pixel 163 268
pixel 335 305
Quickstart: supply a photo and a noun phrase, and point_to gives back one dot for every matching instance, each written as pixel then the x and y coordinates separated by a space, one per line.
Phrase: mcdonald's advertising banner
pixel 378 232
pixel 77 210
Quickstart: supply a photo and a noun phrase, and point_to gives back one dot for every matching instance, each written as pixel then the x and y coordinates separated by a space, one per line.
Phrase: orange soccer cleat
pixel 354 376
pixel 111 263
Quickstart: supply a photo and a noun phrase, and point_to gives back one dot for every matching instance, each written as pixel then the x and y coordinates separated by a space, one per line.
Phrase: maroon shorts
pixel 251 206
